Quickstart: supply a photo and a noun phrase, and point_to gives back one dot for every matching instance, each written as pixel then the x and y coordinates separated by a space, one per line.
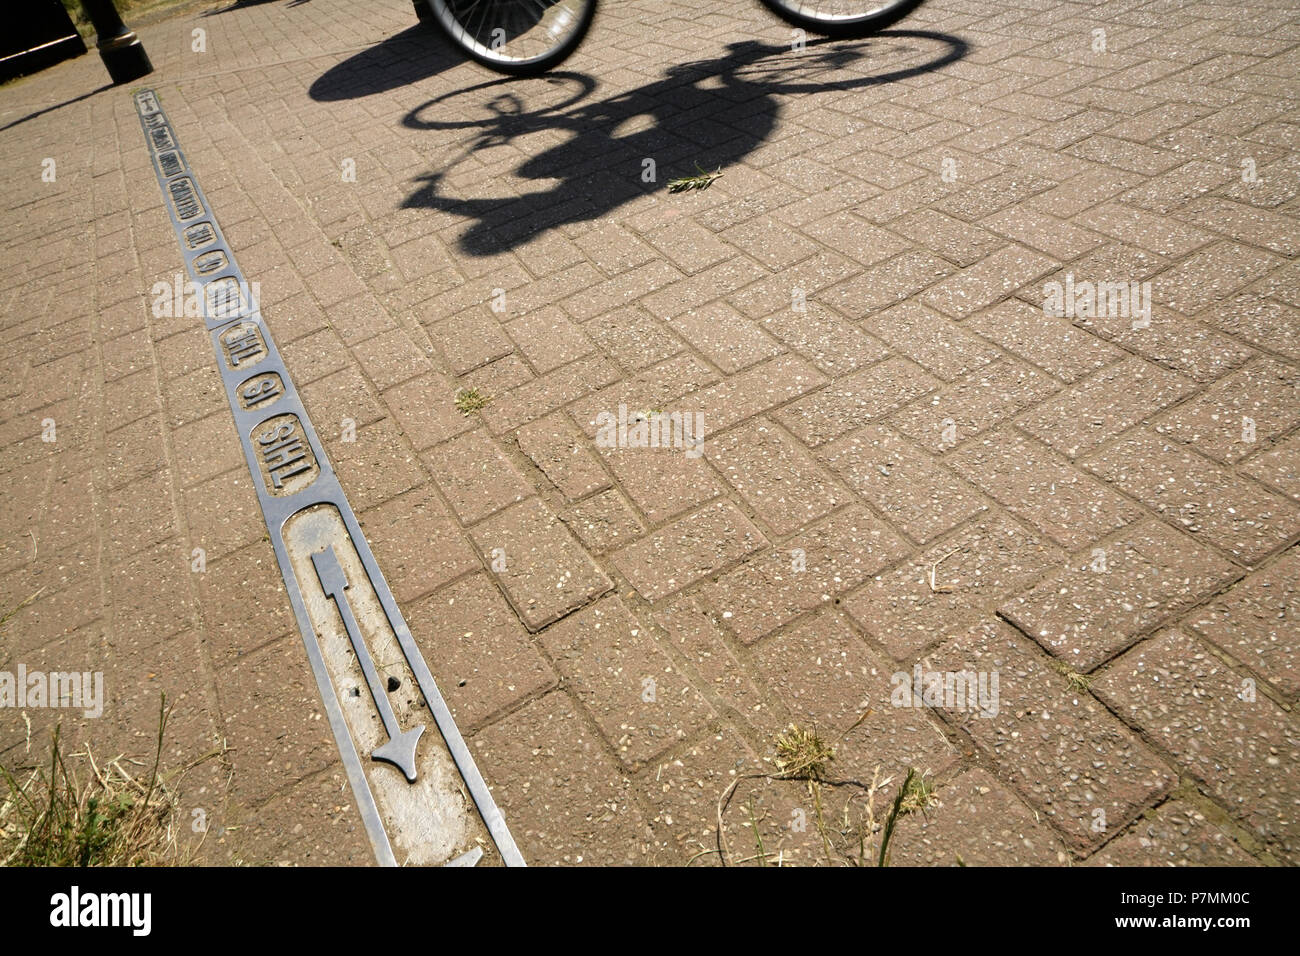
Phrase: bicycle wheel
pixel 519 37
pixel 842 18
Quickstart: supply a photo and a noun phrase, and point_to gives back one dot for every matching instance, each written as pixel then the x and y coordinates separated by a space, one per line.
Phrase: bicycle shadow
pixel 414 55
pixel 712 113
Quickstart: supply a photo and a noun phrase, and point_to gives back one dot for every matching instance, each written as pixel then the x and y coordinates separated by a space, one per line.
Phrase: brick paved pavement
pixel 905 460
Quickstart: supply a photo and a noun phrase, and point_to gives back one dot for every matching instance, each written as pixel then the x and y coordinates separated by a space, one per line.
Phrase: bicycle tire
pixel 464 23
pixel 853 23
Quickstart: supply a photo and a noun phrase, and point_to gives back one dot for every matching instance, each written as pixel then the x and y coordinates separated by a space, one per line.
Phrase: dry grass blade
pixel 97 816
pixel 4 618
pixel 702 180
pixel 916 793
pixel 937 589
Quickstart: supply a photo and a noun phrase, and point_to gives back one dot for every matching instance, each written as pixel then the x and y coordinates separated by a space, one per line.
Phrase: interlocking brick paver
pixel 690 548
pixel 468 340
pixel 987 282
pixel 972 404
pixel 341 400
pixel 775 476
pixel 1276 232
pixel 978 822
pixel 1211 275
pixel 476 478
pixel 1173 342
pixel 854 400
pixel 562 792
pixel 962 243
pixel 1191 704
pixel 632 338
pixel 1254 405
pixel 376 465
pixel 724 337
pixel 1279 467
pixel 132 527
pixel 554 446
pixel 136 450
pixel 188 397
pixel 830 343
pixel 1166 193
pixel 249 580
pixel 400 530
pixel 205 448
pixel 1051 343
pixel 1158 233
pixel 425 409
pixel 1255 622
pixel 804 572
pixel 907 486
pixel 1031 481
pixel 548 339
pixel 544 394
pixel 483 659
pixel 693 631
pixel 544 572
pixel 973 570
pixel 682 792
pixel 603 522
pixel 1099 408
pixel 274 835
pixel 1264 323
pixel 1083 771
pixel 662 482
pixel 934 342
pixel 1095 605
pixel 1197 495
pixel 150 593
pixel 799 283
pixel 1173 834
pixel 222 513
pixel 888 283
pixel 982 200
pixel 637 697
pixel 660 387
pixel 753 391
pixel 313 356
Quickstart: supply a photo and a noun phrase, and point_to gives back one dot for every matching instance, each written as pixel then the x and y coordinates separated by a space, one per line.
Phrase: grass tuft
pixel 801 754
pixel 78 813
pixel 469 400
pixel 1079 682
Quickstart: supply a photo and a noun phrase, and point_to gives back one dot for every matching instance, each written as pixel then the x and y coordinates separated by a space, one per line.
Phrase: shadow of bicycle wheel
pixel 412 56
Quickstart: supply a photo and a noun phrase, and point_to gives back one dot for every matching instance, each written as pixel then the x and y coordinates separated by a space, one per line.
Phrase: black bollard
pixel 120 49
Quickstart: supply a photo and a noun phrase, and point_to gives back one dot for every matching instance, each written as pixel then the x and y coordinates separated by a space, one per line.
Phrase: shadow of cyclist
pixel 711 112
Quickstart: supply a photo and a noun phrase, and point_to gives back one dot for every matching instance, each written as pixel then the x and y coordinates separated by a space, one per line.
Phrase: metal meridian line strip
pixel 292 474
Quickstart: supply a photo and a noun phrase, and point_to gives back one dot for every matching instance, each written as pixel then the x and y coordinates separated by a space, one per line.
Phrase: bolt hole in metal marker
pixel 345 611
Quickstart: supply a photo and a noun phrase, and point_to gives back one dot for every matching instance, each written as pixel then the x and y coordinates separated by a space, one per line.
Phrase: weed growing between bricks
pixel 851 835
pixel 79 811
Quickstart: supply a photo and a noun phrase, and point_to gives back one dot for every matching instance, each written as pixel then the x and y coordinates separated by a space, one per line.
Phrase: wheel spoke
pixel 532 28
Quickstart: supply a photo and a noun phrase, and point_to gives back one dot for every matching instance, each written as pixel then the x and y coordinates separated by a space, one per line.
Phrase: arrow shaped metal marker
pixel 400 749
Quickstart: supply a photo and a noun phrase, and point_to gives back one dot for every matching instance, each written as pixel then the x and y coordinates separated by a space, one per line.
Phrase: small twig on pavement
pixel 934 567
